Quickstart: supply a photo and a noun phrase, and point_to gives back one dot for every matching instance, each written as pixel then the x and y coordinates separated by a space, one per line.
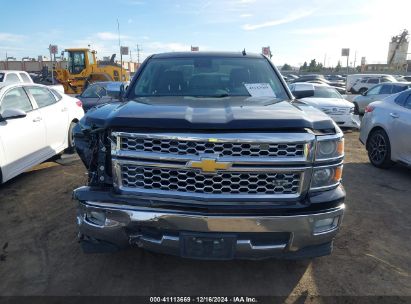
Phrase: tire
pixel 379 149
pixel 362 90
pixel 71 148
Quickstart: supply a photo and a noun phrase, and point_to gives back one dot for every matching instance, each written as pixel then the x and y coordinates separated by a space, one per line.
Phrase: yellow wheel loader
pixel 82 69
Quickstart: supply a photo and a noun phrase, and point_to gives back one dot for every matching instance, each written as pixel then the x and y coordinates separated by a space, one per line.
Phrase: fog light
pixel 96 217
pixel 326 224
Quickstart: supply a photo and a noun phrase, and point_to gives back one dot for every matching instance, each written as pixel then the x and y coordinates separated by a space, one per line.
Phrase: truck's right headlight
pixel 329 149
pixel 326 177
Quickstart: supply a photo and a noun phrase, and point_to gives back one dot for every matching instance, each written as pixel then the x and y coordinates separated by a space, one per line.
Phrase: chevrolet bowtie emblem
pixel 209 165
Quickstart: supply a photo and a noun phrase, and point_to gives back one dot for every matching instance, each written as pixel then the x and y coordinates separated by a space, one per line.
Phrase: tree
pixel 313 66
pixel 338 67
pixel 286 67
pixel 304 66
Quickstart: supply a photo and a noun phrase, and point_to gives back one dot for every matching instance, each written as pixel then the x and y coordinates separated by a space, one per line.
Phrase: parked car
pixel 100 93
pixel 385 130
pixel 318 78
pixel 209 157
pixel 335 78
pixel 328 100
pixel 362 85
pixel 36 123
pixel 400 78
pixel 378 92
pixel 10 76
pixel 353 78
pixel 340 90
pixel 291 77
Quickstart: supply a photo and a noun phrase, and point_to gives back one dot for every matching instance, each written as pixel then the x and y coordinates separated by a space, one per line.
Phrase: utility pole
pixel 138 53
pixel 355 58
pixel 325 58
pixel 347 65
pixel 121 55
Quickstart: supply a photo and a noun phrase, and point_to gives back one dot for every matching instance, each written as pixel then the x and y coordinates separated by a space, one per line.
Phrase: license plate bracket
pixel 208 246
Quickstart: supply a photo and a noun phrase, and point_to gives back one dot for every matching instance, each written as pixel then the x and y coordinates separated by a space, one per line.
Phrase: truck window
pixel 205 77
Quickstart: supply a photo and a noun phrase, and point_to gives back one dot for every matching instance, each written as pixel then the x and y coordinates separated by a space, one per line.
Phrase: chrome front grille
pixel 335 110
pixel 193 181
pixel 229 166
pixel 196 147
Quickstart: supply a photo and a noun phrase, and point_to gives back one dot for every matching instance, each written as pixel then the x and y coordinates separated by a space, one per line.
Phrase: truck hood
pixel 188 113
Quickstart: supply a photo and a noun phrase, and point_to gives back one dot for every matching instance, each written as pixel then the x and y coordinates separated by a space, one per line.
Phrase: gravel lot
pixel 40 254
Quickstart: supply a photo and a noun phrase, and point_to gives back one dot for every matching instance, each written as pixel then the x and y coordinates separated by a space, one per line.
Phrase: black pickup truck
pixel 210 156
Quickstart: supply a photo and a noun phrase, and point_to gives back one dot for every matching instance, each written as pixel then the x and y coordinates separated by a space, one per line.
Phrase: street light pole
pixel 347 63
pixel 121 55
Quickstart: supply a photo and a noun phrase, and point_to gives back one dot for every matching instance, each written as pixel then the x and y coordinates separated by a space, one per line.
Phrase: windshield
pixel 98 90
pixel 326 92
pixel 206 77
pixel 75 62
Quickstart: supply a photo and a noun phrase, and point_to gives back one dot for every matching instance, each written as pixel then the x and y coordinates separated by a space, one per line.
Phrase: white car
pixel 328 100
pixel 9 76
pixel 36 123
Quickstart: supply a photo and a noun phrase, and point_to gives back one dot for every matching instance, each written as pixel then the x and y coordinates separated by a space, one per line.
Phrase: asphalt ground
pixel 39 253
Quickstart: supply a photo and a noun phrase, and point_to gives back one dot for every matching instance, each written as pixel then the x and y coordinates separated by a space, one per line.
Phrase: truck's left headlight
pixel 326 177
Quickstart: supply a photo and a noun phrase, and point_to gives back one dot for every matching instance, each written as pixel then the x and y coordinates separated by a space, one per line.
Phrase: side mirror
pixel 303 90
pixel 364 93
pixel 12 114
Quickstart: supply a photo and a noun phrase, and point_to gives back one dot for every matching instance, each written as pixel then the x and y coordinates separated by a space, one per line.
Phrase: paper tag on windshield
pixel 259 89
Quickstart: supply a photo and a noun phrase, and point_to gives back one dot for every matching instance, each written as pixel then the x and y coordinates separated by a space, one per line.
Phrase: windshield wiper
pixel 274 102
pixel 222 95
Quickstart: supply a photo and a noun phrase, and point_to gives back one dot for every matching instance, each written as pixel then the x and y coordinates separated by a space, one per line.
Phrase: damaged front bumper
pixel 110 225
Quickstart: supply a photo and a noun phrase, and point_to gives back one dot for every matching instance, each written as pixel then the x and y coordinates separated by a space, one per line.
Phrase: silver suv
pixel 362 85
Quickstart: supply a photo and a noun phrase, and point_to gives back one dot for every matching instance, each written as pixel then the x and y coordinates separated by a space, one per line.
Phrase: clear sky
pixel 296 31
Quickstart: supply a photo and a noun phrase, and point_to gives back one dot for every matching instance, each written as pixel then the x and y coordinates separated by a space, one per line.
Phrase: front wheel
pixel 379 149
pixel 70 149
